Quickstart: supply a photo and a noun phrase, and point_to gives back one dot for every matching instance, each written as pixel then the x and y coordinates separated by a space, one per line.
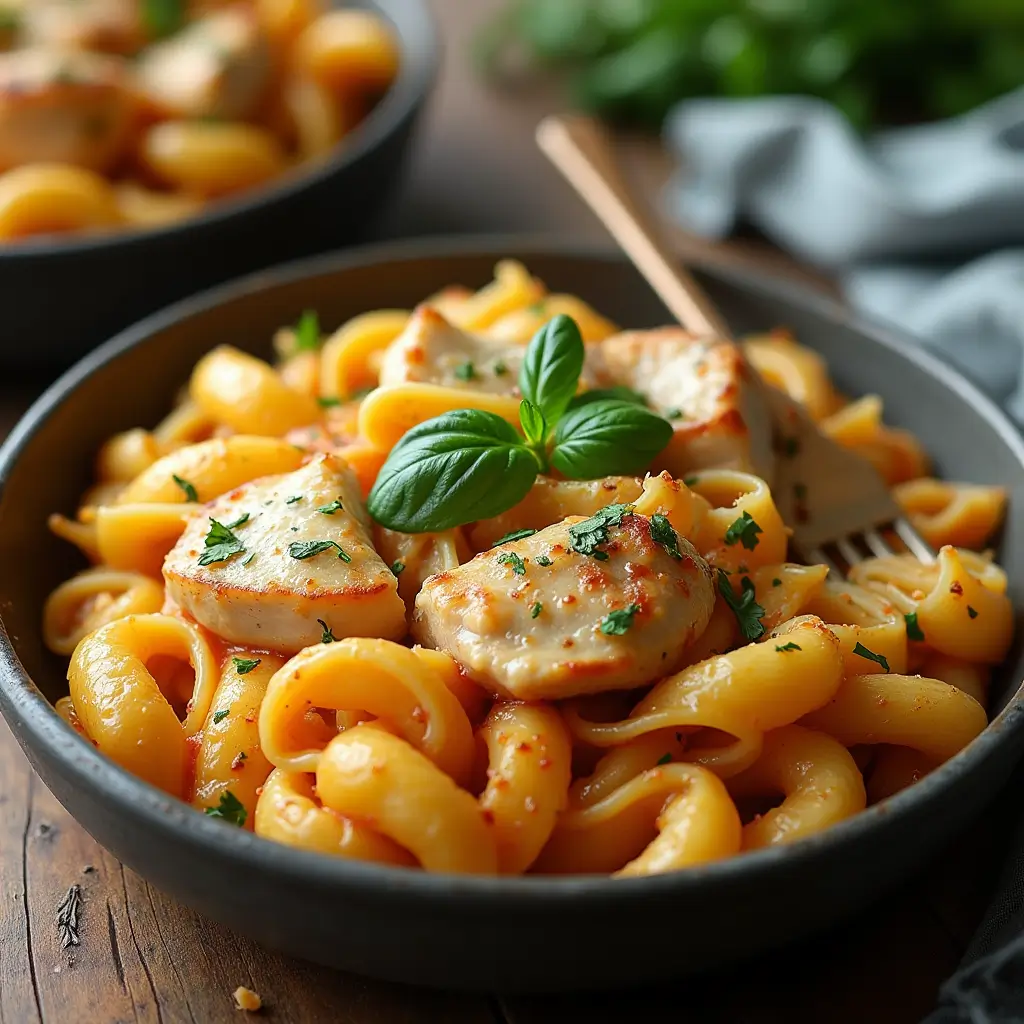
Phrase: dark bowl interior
pixel 65 296
pixel 533 933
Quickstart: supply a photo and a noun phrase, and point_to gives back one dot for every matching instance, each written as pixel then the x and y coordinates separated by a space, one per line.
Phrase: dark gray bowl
pixel 460 932
pixel 65 296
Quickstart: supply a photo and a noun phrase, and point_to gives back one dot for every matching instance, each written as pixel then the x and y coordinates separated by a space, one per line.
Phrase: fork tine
pixel 878 544
pixel 916 544
pixel 817 556
pixel 849 552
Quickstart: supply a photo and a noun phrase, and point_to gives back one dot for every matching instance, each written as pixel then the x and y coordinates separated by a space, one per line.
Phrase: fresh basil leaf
pixel 535 427
pixel 608 438
pixel 552 366
pixel 619 393
pixel 454 469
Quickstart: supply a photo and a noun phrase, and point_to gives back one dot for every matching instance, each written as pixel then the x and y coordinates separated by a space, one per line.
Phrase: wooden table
pixel 144 957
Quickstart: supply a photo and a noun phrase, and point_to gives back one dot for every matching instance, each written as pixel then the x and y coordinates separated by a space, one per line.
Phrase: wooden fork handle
pixel 579 147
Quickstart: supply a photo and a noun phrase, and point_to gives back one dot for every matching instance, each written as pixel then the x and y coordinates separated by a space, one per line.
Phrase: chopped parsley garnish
pixel 219 716
pixel 249 559
pixel 914 631
pixel 788 647
pixel 791 446
pixel 744 605
pixel 743 531
pixel 307 332
pixel 513 561
pixel 327 637
pixel 294 498
pixel 221 543
pixel 465 371
pixel 663 533
pixel 691 480
pixel 189 489
pixel 617 623
pixel 971 612
pixel 664 759
pixel 673 414
pixel 309 548
pixel 500 368
pixel 871 656
pixel 230 809
pixel 244 665
pixel 328 401
pixel 776 582
pixel 331 508
pixel 536 609
pixel 586 537
pixel 514 535
pixel 398 568
pixel 543 560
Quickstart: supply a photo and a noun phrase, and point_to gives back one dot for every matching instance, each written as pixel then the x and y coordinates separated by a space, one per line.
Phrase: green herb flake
pixel 500 368
pixel 617 623
pixel 398 568
pixel 673 414
pixel 302 549
pixel 788 647
pixel 514 535
pixel 513 561
pixel 664 759
pixel 465 371
pixel 914 631
pixel 327 637
pixel 743 531
pixel 871 656
pixel 221 543
pixel 744 605
pixel 536 609
pixel 663 533
pixel 331 508
pixel 971 612
pixel 230 809
pixel 189 489
pixel 776 582
pixel 328 401
pixel 543 560
pixel 586 537
pixel 219 716
pixel 163 17
pixel 294 498
pixel 307 332
pixel 249 559
pixel 243 666
pixel 691 480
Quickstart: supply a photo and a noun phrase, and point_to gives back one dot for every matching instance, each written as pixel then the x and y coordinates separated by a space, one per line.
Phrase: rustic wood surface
pixel 143 957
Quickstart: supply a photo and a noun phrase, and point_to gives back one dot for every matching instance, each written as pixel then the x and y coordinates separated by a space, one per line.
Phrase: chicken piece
pixel 704 387
pixel 583 606
pixel 550 501
pixel 111 26
pixel 301 563
pixel 69 108
pixel 217 67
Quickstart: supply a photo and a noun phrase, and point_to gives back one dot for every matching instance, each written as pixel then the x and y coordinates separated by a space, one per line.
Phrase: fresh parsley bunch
pixel 468 464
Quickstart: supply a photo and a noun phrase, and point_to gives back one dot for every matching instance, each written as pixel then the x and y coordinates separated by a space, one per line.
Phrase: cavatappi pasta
pixel 621 674
pixel 121 114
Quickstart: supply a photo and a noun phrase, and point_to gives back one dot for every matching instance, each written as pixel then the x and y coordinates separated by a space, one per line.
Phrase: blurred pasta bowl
pixel 461 931
pixel 69 291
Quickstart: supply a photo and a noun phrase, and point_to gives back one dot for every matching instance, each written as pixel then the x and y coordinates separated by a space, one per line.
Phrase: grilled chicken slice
pixel 704 387
pixel 63 107
pixel 271 592
pixel 537 619
pixel 111 26
pixel 218 66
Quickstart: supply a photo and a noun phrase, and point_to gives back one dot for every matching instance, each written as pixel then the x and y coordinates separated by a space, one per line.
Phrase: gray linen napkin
pixel 918 223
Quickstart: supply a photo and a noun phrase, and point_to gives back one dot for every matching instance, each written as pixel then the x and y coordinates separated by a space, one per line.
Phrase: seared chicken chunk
pixel 218 66
pixel 540 619
pixel 111 26
pixel 300 563
pixel 704 387
pixel 70 108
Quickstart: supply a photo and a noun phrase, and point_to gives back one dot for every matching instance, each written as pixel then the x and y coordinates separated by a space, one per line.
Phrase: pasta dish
pixel 136 113
pixel 493 586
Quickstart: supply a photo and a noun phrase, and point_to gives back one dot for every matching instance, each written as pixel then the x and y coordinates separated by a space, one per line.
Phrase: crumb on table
pixel 246 999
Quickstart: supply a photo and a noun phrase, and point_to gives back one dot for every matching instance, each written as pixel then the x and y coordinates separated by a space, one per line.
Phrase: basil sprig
pixel 468 464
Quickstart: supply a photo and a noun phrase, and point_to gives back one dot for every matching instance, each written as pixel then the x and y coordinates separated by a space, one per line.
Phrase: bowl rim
pixel 34 721
pixel 417 73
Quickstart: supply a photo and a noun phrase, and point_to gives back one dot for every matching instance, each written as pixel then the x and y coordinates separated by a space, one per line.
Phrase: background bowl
pixel 463 932
pixel 64 296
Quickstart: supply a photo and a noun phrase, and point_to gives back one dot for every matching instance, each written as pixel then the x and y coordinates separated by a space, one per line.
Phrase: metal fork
pixel 837 505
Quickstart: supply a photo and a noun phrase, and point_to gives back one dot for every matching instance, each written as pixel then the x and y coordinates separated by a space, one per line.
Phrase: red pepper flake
pixel 238 762
pixel 568 642
pixel 523 748
pixel 251 716
pixel 418 714
pixel 956 588
pixel 488 816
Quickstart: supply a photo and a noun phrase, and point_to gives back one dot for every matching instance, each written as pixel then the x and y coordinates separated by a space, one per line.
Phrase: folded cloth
pixel 893 215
